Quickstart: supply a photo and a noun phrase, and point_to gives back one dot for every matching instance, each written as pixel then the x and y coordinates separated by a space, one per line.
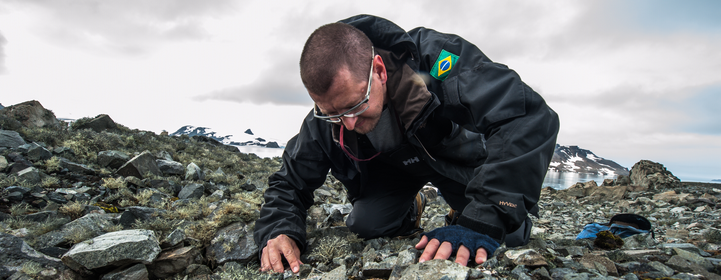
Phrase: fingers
pixel 264 260
pixel 430 251
pixel 444 252
pixel 463 255
pixel 293 257
pixel 481 256
pixel 422 244
pixel 275 250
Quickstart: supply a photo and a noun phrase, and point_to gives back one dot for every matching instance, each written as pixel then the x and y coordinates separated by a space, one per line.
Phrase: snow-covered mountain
pixel 245 139
pixel 575 159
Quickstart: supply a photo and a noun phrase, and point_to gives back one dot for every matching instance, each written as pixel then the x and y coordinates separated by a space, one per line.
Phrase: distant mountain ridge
pixel 247 139
pixel 575 159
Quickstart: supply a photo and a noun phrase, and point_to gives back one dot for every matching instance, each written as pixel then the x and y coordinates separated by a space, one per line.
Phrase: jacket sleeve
pixel 519 128
pixel 290 190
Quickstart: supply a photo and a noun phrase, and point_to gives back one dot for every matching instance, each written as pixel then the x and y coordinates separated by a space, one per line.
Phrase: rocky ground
pixel 96 200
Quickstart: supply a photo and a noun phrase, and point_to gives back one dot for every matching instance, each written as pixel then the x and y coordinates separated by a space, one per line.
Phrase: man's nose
pixel 349 122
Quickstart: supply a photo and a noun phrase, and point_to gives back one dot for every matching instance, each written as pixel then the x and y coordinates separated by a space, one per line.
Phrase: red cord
pixel 342 146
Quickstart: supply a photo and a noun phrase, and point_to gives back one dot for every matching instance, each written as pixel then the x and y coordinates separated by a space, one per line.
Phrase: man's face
pixel 347 91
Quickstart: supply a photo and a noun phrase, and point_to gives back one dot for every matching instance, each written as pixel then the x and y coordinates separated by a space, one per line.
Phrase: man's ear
pixel 380 68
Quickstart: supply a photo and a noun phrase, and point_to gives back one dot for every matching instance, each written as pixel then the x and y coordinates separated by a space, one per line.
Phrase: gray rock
pixel 197 270
pixel 10 139
pixel 663 270
pixel 603 264
pixel 434 268
pixel 233 243
pixel 526 257
pixel 22 190
pixel 38 153
pixel 653 176
pixel 169 167
pixel 139 166
pixel 114 249
pixel 339 273
pixel 14 252
pixel 43 216
pixel 100 123
pixel 30 175
pixel 169 263
pixel 694 258
pixel 76 167
pixel 164 155
pixel 57 197
pixel 89 226
pixel 135 272
pixel 683 265
pixel 3 163
pixel 193 172
pixel 31 114
pixel 112 159
pixel 135 213
pixel 64 152
pixel 173 238
pixel 248 186
pixel 192 191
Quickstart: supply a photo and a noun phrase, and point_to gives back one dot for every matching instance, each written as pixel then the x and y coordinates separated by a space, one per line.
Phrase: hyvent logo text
pixel 504 203
pixel 411 160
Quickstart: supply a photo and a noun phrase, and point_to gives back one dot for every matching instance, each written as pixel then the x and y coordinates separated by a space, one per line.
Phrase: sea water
pixel 564 180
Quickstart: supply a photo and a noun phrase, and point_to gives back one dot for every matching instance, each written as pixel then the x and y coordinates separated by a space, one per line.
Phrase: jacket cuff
pixel 497 233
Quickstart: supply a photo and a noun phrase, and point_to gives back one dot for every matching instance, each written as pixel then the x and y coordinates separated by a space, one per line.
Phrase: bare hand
pixel 278 248
pixel 434 249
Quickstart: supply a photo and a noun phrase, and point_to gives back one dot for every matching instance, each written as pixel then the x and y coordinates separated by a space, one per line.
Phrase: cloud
pixel 126 27
pixel 3 42
pixel 279 84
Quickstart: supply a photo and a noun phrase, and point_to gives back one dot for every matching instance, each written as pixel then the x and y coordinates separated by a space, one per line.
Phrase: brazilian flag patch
pixel 443 65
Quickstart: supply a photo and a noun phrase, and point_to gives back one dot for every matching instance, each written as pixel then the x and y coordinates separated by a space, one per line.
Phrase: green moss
pixel 607 240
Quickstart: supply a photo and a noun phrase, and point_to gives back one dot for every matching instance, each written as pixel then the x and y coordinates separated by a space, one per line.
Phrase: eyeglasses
pixel 353 111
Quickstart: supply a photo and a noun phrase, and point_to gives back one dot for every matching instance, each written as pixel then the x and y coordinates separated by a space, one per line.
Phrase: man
pixel 395 110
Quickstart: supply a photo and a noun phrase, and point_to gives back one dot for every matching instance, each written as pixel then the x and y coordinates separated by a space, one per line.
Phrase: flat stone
pixel 38 153
pixel 135 272
pixel 3 163
pixel 193 172
pixel 233 243
pixel 599 263
pixel 112 159
pixel 14 252
pixel 433 269
pixel 10 139
pixel 526 257
pixel 76 167
pixel 100 123
pixel 140 165
pixel 92 225
pixel 192 191
pixel 169 263
pixel 169 167
pixel 114 249
pixel 30 175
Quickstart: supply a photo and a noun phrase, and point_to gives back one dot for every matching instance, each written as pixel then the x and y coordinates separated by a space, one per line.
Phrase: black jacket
pixel 481 126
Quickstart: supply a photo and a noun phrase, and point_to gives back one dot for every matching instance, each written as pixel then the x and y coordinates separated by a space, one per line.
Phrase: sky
pixel 630 80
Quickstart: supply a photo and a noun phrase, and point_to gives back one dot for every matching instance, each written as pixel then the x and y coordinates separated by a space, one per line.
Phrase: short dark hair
pixel 328 49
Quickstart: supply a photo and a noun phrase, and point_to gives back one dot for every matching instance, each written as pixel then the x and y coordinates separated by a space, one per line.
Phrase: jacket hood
pixel 384 33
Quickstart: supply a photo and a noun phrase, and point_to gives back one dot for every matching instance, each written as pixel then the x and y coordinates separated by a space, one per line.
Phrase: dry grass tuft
pixel 74 210
pixel 114 183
